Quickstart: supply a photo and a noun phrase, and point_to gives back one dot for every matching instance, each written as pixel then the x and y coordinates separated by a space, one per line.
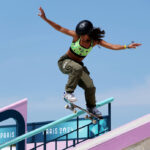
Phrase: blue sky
pixel 30 48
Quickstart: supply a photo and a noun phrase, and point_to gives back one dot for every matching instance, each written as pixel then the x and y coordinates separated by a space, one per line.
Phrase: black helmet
pixel 84 27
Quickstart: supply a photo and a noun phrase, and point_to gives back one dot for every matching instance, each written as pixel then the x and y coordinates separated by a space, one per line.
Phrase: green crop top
pixel 79 50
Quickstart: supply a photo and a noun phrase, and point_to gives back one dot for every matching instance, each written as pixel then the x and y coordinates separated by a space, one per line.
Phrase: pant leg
pixel 74 70
pixel 86 83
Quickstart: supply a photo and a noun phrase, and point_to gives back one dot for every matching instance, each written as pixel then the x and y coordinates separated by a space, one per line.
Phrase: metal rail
pixel 50 125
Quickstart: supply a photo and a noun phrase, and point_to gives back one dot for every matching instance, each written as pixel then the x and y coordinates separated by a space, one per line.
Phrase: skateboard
pixel 89 115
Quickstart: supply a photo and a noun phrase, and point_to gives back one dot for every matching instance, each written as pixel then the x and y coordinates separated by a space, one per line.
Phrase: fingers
pixel 40 8
pixel 136 44
pixel 41 11
pixel 39 14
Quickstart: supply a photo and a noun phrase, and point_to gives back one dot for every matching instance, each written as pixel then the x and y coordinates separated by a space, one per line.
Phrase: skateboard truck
pixel 91 118
pixel 89 115
pixel 71 107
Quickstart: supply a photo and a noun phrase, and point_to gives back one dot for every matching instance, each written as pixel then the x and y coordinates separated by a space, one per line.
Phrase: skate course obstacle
pixel 18 112
pixel 50 125
pixel 134 135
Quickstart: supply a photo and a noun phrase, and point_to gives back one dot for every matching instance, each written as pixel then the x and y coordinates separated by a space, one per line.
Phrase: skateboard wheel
pixel 86 116
pixel 75 111
pixel 67 106
pixel 94 121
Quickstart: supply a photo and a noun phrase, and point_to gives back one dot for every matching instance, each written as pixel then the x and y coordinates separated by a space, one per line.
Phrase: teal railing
pixel 50 125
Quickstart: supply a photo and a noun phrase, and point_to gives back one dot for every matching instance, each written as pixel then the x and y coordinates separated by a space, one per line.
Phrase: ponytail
pixel 97 34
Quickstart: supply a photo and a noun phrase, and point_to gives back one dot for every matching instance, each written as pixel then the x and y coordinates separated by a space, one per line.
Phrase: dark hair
pixel 97 34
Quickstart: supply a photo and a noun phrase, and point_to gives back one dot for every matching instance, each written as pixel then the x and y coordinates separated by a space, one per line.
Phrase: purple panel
pixel 129 138
pixel 20 106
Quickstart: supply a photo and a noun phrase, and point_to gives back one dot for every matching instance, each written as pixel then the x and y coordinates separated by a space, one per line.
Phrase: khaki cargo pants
pixel 78 75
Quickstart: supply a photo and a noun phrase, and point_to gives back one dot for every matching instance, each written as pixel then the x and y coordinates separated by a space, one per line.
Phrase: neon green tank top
pixel 79 50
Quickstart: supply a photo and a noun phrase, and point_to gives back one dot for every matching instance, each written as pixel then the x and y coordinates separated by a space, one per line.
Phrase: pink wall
pixel 126 139
pixel 121 137
pixel 20 106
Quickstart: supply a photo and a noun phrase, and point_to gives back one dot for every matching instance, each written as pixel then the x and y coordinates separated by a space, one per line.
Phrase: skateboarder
pixel 85 37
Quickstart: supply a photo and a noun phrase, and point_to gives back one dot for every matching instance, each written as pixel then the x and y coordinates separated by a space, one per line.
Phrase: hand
pixel 134 45
pixel 42 13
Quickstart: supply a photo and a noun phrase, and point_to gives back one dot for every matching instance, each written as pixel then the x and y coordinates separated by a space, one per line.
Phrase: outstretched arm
pixel 116 46
pixel 56 26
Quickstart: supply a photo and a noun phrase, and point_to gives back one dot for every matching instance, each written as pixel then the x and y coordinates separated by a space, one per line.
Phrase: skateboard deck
pixel 73 107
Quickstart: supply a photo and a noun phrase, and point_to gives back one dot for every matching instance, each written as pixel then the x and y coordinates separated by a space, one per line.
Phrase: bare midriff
pixel 74 57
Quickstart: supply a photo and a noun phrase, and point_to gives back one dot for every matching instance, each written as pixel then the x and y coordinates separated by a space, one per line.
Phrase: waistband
pixel 65 56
